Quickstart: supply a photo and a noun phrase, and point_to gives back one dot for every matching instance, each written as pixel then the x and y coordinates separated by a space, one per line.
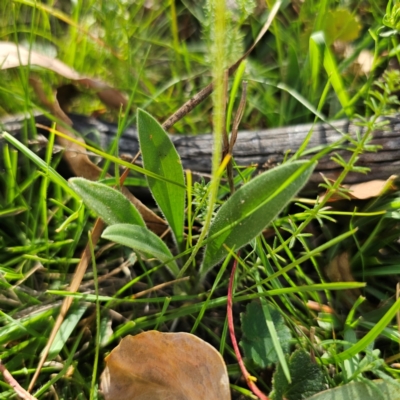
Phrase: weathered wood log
pixel 266 148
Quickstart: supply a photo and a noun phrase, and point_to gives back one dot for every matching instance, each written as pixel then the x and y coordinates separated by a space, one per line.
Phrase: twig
pixel 249 379
pixel 76 281
pixel 18 389
pixel 158 287
pixel 188 106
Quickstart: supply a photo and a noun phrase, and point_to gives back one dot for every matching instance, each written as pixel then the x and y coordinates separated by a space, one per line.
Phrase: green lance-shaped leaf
pixel 108 203
pixel 367 390
pixel 142 240
pixel 160 156
pixel 252 208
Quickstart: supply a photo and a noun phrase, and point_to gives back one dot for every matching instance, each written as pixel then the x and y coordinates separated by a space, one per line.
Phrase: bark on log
pixel 266 148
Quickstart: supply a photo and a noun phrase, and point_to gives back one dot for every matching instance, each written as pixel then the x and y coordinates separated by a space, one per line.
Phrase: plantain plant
pixel 237 222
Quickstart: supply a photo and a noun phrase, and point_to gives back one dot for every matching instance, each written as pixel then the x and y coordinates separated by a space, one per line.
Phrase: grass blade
pixel 52 173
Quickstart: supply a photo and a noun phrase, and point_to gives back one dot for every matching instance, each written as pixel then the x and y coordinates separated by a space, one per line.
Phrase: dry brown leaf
pixel 375 188
pixel 366 190
pixel 339 270
pixel 154 365
pixel 12 56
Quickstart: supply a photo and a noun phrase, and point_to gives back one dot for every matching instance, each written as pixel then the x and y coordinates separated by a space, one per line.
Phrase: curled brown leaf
pixel 13 55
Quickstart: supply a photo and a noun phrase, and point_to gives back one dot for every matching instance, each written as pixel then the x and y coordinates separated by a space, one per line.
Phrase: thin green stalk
pixel 93 392
pixel 214 286
pixel 163 311
pixel 189 194
pixel 9 175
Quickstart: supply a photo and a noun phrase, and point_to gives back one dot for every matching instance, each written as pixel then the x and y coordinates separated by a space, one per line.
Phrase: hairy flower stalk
pixel 218 58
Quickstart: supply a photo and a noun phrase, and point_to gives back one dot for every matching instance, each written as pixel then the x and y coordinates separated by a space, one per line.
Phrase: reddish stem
pixel 249 379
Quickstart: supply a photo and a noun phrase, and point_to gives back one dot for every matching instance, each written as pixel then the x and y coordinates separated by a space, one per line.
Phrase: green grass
pixel 160 54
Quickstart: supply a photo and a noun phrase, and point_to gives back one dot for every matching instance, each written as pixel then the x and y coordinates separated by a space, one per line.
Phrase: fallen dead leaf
pixel 339 270
pixel 375 188
pixel 366 190
pixel 13 55
pixel 154 365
